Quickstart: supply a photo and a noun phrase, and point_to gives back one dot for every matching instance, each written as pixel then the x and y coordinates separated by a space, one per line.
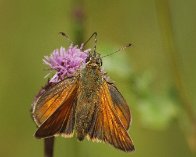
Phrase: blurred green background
pixel 156 75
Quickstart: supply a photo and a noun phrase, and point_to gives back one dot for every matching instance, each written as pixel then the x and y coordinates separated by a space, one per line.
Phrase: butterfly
pixel 87 104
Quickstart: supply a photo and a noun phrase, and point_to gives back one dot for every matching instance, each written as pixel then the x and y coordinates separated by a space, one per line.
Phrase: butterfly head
pixel 94 59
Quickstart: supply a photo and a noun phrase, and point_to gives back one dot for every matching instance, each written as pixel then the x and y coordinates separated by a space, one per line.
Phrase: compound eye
pixel 99 61
pixel 87 59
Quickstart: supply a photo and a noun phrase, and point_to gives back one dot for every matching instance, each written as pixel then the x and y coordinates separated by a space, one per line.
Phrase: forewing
pixel 107 125
pixel 52 98
pixel 120 105
pixel 54 109
pixel 61 121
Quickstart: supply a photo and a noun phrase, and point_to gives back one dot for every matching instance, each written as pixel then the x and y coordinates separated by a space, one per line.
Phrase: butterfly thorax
pixel 88 97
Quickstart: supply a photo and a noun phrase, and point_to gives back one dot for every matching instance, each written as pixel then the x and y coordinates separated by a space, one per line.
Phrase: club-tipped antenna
pixel 95 46
pixel 120 49
pixel 66 37
pixel 95 37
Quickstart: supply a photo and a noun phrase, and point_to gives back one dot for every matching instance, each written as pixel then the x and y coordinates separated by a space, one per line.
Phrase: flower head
pixel 66 61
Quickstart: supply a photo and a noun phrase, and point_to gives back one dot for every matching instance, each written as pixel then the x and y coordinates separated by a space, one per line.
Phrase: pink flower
pixel 66 61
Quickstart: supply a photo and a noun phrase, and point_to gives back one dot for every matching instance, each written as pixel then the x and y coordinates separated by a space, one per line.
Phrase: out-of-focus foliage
pixel 156 110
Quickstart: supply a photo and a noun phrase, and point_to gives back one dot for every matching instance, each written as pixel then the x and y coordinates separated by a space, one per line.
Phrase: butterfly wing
pixel 120 105
pixel 107 125
pixel 53 110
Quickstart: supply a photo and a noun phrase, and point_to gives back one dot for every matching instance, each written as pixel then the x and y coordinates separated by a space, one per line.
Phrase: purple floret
pixel 66 61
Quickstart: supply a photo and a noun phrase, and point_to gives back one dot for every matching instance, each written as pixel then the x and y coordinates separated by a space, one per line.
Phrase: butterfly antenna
pixel 120 49
pixel 93 35
pixel 95 46
pixel 66 37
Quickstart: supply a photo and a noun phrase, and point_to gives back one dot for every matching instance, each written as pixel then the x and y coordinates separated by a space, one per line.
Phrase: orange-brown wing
pixel 61 121
pixel 53 111
pixel 107 125
pixel 120 105
pixel 53 97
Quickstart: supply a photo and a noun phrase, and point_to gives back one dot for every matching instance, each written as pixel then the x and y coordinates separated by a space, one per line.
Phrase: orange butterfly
pixel 87 104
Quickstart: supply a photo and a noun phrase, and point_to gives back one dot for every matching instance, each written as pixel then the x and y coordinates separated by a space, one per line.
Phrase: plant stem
pixel 164 19
pixel 78 19
pixel 167 34
pixel 48 146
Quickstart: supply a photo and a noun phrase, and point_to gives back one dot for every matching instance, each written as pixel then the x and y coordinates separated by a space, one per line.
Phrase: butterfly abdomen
pixel 88 98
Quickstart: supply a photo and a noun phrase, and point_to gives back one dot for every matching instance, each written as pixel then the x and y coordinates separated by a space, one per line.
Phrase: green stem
pixel 78 18
pixel 168 41
pixel 164 20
